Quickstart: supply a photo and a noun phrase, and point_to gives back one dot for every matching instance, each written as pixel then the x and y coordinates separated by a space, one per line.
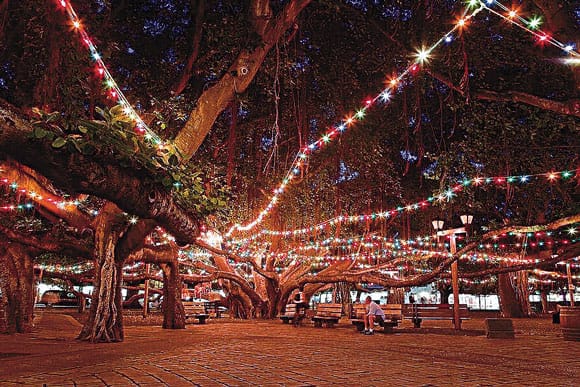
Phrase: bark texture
pixel 240 74
pixel 105 322
pixel 173 312
pixel 509 297
pixel 17 285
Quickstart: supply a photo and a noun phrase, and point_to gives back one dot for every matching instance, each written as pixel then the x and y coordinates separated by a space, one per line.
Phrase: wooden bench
pixel 290 316
pixel 195 310
pixel 289 313
pixel 327 314
pixel 214 309
pixel 393 315
pixel 419 312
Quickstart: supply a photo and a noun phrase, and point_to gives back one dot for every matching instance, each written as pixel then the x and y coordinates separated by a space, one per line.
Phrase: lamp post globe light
pixel 466 219
pixel 437 224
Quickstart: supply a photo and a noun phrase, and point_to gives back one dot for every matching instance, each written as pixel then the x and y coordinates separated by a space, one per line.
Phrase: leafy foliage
pixel 114 137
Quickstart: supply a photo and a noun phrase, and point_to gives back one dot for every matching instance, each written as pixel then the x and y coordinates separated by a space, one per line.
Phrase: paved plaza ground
pixel 228 352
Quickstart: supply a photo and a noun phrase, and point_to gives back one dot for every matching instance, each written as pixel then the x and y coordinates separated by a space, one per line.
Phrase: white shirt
pixel 374 309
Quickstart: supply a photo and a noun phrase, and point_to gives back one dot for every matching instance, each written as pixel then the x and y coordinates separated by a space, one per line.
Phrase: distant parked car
pixel 60 298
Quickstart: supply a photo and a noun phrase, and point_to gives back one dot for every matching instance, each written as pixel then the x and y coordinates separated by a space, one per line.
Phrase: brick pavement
pixel 239 353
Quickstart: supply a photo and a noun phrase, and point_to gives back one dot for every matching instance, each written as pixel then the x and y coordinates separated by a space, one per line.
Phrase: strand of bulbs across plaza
pixel 422 56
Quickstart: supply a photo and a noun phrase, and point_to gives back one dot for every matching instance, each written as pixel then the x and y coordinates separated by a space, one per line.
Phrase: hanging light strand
pixel 301 158
pixel 114 91
pixel 446 195
pixel 529 25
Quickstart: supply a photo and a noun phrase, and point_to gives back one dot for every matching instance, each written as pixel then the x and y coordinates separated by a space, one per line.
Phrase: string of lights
pixel 35 197
pixel 531 25
pixel 421 58
pixel 446 195
pixel 385 96
pixel 114 91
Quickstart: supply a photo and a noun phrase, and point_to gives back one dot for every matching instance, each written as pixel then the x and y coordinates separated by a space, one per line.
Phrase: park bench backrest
pixel 290 309
pixel 193 308
pixel 212 307
pixel 434 310
pixel 392 311
pixel 358 311
pixel 328 310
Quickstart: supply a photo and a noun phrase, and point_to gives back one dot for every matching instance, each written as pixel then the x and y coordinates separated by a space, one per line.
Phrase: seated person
pixel 373 313
pixel 301 305
pixel 300 300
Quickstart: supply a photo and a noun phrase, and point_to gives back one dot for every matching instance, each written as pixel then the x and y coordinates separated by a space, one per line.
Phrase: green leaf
pixel 37 111
pixel 52 117
pixel 83 129
pixel 117 110
pixel 59 142
pixel 77 146
pixel 39 133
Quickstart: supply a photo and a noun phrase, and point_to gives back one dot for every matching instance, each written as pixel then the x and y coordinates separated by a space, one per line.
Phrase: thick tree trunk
pixel 46 92
pixel 277 306
pixel 241 296
pixel 16 283
pixel 173 312
pixel 343 296
pixel 275 301
pixel 3 18
pixel 3 317
pixel 445 291
pixel 523 292
pixel 396 296
pixel 105 322
pixel 240 303
pixel 510 297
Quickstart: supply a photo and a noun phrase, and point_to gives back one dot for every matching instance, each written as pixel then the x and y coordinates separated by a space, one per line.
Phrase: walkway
pixel 241 353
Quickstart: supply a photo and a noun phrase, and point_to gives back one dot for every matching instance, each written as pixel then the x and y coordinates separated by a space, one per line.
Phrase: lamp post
pixel 146 290
pixel 570 284
pixel 438 226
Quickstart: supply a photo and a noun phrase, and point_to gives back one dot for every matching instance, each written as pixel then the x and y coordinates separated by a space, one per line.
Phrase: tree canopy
pixel 238 91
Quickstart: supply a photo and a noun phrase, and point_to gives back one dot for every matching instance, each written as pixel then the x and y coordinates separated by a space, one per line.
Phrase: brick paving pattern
pixel 243 353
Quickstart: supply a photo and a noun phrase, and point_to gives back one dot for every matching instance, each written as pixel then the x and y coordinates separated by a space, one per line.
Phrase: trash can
pixel 556 317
